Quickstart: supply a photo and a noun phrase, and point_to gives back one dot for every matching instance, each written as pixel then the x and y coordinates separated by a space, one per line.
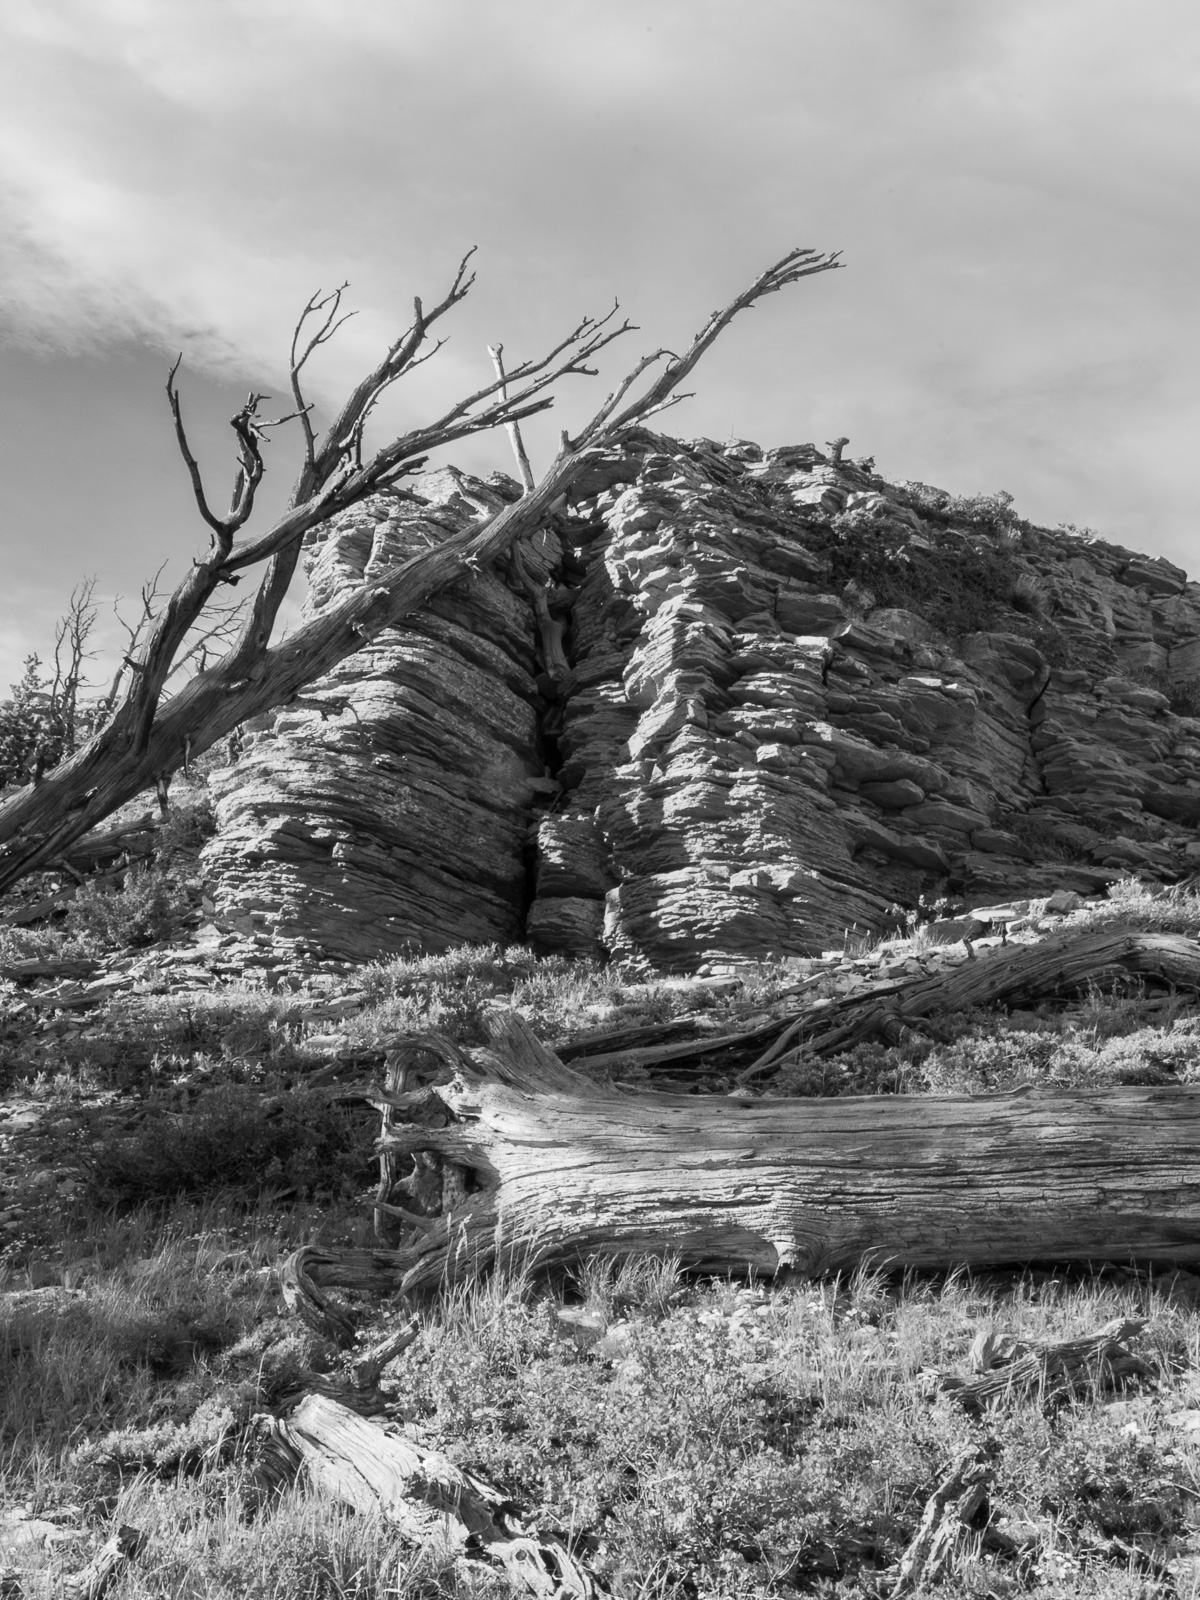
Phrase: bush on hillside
pixel 230 1137
pixel 959 584
pixel 151 906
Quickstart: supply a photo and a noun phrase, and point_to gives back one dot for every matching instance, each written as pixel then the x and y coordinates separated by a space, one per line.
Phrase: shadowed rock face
pixel 795 698
pixel 388 809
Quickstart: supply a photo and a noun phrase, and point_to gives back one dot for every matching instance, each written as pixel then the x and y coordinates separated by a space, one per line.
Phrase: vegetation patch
pixel 230 1135
pixel 960 582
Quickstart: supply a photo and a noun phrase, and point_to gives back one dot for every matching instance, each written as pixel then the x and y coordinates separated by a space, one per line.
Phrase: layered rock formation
pixel 388 808
pixel 732 703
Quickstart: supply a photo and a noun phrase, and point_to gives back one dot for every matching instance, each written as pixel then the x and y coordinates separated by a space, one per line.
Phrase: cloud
pixel 1011 186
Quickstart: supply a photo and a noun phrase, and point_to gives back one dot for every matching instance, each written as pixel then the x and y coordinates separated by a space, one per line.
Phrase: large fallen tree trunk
pixel 516 1158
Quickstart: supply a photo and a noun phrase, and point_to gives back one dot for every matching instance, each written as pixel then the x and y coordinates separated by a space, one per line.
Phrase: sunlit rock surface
pixel 799 700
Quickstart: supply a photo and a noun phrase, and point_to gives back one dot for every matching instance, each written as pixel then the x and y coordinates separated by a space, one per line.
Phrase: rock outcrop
pixel 388 808
pixel 732 703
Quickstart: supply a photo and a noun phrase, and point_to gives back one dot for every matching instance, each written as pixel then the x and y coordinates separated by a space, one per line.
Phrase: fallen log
pixel 103 845
pixel 1019 975
pixel 27 971
pixel 380 1469
pixel 526 1160
pixel 949 1513
pixel 1003 1366
pixel 1016 974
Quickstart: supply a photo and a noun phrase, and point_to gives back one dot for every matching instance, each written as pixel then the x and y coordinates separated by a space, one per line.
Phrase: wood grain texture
pixel 548 1174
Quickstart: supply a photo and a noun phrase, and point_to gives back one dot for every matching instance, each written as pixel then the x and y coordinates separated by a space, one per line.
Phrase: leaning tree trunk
pixel 528 1161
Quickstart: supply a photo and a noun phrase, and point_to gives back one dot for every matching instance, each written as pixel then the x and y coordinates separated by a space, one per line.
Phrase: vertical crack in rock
pixel 731 703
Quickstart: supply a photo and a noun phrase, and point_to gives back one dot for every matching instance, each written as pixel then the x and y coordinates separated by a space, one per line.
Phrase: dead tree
pixel 145 739
pixel 515 1158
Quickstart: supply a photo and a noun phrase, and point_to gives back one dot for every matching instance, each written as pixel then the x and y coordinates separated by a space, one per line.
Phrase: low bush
pixel 230 1136
pixel 1183 694
pixel 449 992
pixel 959 583
pixel 151 905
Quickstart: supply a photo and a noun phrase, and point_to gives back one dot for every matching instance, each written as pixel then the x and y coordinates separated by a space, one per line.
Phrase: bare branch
pixel 149 734
pixel 332 320
pixel 399 358
pixel 193 466
pixel 496 351
pixel 797 264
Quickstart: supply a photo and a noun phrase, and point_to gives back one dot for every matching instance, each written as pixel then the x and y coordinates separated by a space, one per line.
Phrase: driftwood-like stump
pixel 541 1165
pixel 421 1492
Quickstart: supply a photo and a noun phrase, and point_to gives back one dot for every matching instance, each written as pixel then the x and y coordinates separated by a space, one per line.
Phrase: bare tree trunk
pixel 146 740
pixel 1016 975
pixel 540 1165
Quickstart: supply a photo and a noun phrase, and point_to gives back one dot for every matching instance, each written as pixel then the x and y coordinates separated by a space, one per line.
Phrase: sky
pixel 1013 188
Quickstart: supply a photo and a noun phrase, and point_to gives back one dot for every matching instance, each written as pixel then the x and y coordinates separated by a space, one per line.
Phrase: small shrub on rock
pixel 958 583
pixel 151 906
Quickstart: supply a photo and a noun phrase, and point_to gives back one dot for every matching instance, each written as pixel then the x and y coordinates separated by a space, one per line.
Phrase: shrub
pixel 149 907
pixel 230 1136
pixel 449 992
pixel 959 583
pixel 1047 840
pixel 186 826
pixel 1185 697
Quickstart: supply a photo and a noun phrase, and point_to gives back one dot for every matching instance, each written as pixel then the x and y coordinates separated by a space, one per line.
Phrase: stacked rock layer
pixel 387 809
pixel 733 703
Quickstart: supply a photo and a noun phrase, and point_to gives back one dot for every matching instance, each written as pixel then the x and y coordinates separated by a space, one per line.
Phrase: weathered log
pixel 1018 975
pixel 1014 974
pixel 423 1493
pixel 27 971
pixel 947 1517
pixel 102 1571
pixel 549 1167
pixel 103 845
pixel 1002 1365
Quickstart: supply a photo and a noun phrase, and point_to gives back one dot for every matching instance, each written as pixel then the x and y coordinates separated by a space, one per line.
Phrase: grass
pixel 731 1440
pixel 742 1441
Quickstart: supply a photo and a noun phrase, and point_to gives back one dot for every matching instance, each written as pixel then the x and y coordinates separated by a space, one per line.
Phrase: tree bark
pixel 542 1166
